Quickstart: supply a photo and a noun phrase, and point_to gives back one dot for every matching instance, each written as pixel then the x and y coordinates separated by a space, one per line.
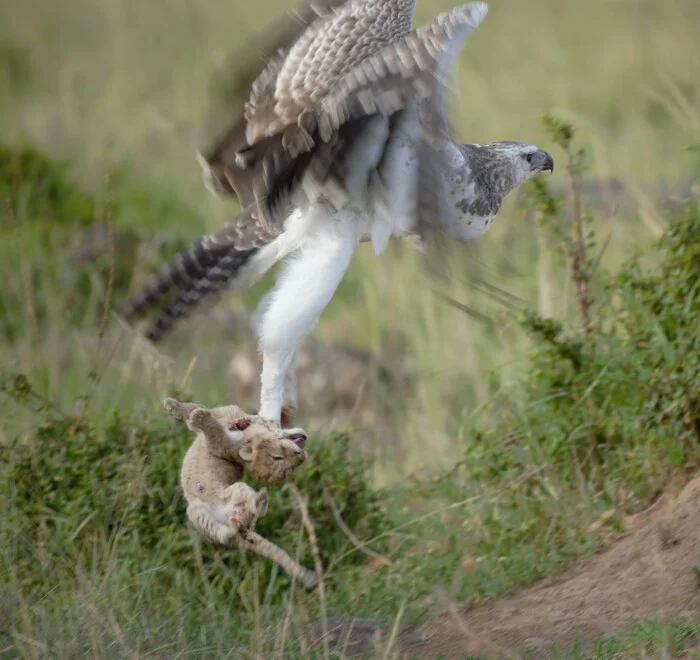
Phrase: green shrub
pixel 597 403
pixel 76 486
pixel 77 251
pixel 604 413
pixel 612 391
pixel 40 188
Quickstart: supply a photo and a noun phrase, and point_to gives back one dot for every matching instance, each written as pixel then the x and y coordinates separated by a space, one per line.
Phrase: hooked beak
pixel 543 161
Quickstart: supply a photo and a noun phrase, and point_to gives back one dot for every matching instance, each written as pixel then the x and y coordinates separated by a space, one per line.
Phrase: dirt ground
pixel 648 573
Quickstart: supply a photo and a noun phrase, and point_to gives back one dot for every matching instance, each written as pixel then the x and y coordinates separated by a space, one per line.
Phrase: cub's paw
pixel 175 408
pixel 200 419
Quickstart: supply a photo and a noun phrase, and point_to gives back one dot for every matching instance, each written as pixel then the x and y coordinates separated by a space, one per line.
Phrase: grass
pixel 100 561
pixel 648 639
pixel 517 451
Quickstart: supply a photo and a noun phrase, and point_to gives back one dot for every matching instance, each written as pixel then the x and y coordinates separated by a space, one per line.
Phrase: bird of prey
pixel 343 139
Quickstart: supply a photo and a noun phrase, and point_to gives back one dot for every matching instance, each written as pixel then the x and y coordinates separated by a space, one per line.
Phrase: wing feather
pixel 412 69
pixel 218 161
pixel 317 44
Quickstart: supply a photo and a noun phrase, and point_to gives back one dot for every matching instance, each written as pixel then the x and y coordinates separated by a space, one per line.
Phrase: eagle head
pixel 513 163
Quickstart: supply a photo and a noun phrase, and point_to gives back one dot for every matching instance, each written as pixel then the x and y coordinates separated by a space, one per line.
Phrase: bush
pixel 76 486
pixel 611 393
pixel 77 250
pixel 603 414
pixel 40 188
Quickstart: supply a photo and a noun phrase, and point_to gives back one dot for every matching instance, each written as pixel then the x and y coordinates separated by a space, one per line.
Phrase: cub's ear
pixel 246 450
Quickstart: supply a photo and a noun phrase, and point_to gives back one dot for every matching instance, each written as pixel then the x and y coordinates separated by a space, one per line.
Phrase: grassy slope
pixel 122 83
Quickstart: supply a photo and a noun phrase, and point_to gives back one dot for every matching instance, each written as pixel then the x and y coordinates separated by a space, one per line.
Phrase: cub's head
pixel 268 452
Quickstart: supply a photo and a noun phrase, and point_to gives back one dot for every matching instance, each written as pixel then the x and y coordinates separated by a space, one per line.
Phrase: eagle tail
pixel 193 276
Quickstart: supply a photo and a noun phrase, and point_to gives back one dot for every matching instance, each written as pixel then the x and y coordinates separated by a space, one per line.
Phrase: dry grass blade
pixel 318 564
pixel 362 547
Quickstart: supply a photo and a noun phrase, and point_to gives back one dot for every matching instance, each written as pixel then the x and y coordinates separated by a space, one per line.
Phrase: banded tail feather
pixel 197 274
pixel 216 281
pixel 189 265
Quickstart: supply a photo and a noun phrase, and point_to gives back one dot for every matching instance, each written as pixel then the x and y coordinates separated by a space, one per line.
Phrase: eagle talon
pixel 287 416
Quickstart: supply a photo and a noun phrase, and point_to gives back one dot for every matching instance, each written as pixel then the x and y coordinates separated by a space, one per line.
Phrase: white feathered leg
pixel 304 287
pixel 290 400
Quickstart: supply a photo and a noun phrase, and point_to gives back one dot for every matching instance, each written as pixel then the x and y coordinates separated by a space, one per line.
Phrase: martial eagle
pixel 343 139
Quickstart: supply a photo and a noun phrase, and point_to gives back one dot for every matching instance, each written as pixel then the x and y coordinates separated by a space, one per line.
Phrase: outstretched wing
pixel 418 68
pixel 218 159
pixel 292 85
pixel 409 69
pixel 312 47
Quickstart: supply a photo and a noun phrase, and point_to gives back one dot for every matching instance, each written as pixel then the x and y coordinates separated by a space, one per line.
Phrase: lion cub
pixel 220 506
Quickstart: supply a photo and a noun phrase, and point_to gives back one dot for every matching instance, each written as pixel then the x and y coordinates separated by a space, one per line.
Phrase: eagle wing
pixel 413 69
pixel 311 47
pixel 391 74
pixel 218 159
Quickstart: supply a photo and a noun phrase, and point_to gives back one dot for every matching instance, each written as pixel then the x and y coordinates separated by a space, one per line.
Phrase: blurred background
pixel 125 89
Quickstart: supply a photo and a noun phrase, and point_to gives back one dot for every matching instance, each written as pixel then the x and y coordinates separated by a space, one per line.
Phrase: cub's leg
pixel 244 505
pixel 225 415
pixel 241 506
pixel 209 526
pixel 219 441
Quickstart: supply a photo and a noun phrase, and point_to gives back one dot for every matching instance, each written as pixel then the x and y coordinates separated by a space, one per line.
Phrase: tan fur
pixel 220 506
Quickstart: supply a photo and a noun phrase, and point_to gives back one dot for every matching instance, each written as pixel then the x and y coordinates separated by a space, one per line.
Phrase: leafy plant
pixel 615 393
pixel 74 484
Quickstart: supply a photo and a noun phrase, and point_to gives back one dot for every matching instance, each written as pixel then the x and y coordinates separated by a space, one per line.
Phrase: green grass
pixel 521 433
pixel 648 639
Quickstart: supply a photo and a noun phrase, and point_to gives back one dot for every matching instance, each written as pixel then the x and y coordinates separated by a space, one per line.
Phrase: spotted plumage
pixel 343 139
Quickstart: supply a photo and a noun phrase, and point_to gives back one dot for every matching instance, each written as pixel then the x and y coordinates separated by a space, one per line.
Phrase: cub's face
pixel 270 453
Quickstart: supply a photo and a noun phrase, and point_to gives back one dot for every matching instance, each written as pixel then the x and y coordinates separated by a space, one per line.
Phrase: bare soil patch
pixel 646 574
